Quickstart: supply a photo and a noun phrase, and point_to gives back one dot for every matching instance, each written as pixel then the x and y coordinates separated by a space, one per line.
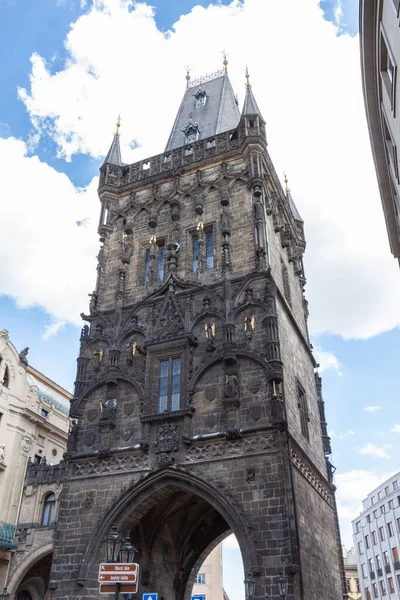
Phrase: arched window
pixel 6 378
pixel 49 509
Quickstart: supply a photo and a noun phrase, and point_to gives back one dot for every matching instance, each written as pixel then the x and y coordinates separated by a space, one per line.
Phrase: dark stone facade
pixel 242 449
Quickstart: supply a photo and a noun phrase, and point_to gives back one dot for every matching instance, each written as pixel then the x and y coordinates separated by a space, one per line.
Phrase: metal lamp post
pixel 116 552
pixel 283 585
pixel 249 586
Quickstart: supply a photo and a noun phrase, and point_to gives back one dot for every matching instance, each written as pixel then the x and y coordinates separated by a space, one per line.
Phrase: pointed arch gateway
pixel 175 519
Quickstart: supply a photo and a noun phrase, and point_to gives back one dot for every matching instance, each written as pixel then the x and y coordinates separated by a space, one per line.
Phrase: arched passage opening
pixel 174 520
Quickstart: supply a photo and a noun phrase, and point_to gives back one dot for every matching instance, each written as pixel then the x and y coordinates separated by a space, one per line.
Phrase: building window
pixel 390 147
pixel 391 585
pixel 375 588
pixel 390 529
pixel 160 261
pixel 303 410
pixel 383 587
pixel 371 565
pixel 374 540
pixel 209 250
pixel 200 578
pixel 49 509
pixel 169 385
pixel 386 558
pixel 6 377
pixel 388 70
pixel 381 534
pixel 395 555
pixel 44 413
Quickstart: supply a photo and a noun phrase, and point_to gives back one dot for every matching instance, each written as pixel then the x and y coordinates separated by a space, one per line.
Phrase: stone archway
pixel 174 519
pixel 26 571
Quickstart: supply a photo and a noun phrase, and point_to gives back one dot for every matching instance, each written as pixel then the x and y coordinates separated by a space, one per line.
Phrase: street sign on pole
pixel 118 576
pixel 124 589
pixel 118 567
pixel 152 596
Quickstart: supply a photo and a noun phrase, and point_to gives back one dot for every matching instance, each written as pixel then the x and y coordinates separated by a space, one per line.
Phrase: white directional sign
pixel 152 596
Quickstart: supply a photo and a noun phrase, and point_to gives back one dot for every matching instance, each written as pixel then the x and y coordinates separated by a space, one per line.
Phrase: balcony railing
pixel 7 532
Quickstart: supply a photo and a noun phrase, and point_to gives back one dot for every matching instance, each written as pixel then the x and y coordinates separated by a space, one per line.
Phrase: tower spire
pixel 114 154
pixel 250 106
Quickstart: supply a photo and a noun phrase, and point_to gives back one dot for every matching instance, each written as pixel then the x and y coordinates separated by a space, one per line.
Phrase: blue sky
pixel 52 151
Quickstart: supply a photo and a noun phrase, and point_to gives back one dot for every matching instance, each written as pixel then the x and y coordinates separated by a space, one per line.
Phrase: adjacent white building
pixel 376 534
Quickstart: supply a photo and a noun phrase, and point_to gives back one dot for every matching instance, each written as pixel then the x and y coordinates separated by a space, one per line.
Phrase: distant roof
pixel 219 113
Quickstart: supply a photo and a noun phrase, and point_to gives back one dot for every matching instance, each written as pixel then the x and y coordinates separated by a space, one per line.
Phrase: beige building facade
pixel 380 57
pixel 209 583
pixel 352 577
pixel 34 428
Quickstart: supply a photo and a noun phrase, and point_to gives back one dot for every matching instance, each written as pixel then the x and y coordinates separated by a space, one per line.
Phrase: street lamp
pixel 4 594
pixel 113 544
pixel 118 553
pixel 249 586
pixel 127 551
pixel 283 585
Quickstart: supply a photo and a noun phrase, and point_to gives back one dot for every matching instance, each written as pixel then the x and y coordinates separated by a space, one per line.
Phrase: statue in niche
pixel 98 357
pixel 249 324
pixel 209 329
pixel 72 438
pixel 108 410
pixel 231 385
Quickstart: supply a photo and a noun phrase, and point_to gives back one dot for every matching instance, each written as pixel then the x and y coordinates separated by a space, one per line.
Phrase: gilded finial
pixel 247 77
pixel 225 61
pixel 118 124
pixel 187 76
pixel 286 182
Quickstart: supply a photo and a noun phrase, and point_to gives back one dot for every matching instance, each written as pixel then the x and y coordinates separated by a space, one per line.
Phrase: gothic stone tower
pixel 197 409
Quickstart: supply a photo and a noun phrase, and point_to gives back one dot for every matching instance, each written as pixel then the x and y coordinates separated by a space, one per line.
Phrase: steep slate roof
pixel 114 153
pixel 220 112
pixel 292 206
pixel 250 106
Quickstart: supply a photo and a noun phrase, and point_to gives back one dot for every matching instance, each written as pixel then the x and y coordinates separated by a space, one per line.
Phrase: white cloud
pixel 53 329
pixel 353 487
pixel 396 428
pixel 230 543
pixel 371 408
pixel 326 360
pixel 375 451
pixel 316 131
pixel 45 258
